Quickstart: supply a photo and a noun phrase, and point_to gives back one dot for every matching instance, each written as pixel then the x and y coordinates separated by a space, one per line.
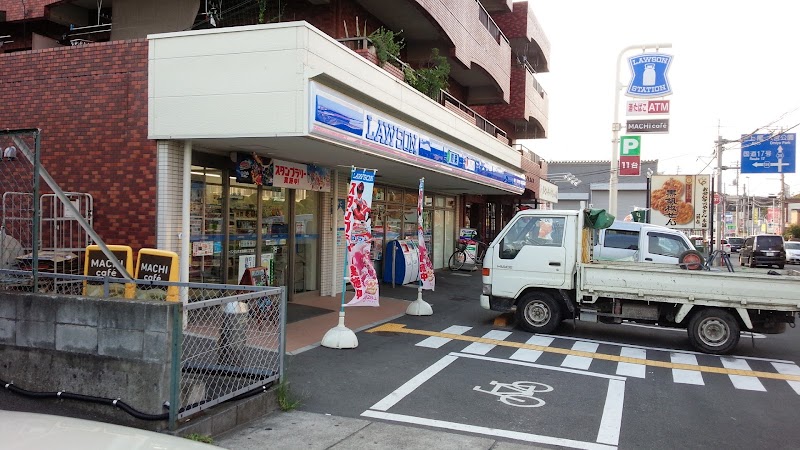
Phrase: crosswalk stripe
pixel 532 355
pixel 789 369
pixel 740 382
pixel 479 348
pixel 685 376
pixel 580 362
pixel 632 370
pixel 436 341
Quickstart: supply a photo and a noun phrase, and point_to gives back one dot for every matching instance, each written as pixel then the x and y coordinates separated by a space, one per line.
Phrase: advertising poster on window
pixel 358 234
pixel 680 201
pixel 426 276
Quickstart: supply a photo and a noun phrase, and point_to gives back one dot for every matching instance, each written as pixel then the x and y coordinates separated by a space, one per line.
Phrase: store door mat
pixel 296 312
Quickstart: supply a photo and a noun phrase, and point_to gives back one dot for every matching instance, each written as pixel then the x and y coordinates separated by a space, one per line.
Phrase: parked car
pixel 792 252
pixel 726 246
pixel 640 242
pixel 736 243
pixel 763 250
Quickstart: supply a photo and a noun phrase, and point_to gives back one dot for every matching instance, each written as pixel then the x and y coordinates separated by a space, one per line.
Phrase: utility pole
pixel 738 200
pixel 718 213
pixel 783 195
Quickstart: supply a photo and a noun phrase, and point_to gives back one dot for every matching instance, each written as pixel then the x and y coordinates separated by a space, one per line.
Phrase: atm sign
pixel 647 107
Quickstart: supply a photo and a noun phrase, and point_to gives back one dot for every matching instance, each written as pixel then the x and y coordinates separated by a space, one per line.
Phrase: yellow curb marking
pixel 399 328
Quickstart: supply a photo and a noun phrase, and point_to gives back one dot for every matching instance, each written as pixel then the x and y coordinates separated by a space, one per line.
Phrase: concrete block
pixel 157 347
pixel 157 317
pixel 122 314
pixel 8 305
pixel 8 330
pixel 76 338
pixel 36 334
pixel 120 343
pixel 38 308
pixel 78 311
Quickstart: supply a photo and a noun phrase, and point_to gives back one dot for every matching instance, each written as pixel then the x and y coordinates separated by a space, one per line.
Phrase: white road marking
pixel 611 423
pixel 661 349
pixel 685 376
pixel 436 341
pixel 580 362
pixel 410 385
pixel 480 348
pixel 506 434
pixel 789 369
pixel 538 366
pixel 739 381
pixel 532 355
pixel 630 369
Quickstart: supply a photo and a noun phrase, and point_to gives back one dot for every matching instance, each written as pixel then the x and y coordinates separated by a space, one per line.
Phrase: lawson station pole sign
pixel 649 75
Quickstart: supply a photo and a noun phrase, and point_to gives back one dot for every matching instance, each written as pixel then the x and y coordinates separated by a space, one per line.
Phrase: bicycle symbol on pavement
pixel 518 393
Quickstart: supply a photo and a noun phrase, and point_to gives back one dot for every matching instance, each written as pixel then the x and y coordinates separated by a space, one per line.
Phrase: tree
pixel 792 231
pixel 432 78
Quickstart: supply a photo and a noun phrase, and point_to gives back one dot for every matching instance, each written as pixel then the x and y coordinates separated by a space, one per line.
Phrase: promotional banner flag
pixel 358 234
pixel 426 276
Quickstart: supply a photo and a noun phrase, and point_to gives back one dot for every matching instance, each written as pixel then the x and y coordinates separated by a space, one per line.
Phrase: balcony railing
pixel 536 84
pixel 489 23
pixel 529 154
pixel 480 121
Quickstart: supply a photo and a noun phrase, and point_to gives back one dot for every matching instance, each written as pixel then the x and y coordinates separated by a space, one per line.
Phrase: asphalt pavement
pixel 303 429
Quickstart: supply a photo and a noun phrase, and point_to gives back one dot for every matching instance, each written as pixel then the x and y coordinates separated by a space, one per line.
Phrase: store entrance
pixel 235 226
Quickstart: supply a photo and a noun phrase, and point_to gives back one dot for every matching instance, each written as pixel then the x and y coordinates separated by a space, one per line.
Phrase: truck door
pixel 532 253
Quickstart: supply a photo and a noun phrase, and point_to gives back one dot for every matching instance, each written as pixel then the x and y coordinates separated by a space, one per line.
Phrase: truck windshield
pixel 536 231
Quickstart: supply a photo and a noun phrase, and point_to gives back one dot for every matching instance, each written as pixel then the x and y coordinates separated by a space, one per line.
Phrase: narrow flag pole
pixel 340 336
pixel 420 307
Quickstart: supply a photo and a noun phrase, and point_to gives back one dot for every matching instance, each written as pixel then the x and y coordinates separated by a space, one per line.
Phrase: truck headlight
pixel 487 289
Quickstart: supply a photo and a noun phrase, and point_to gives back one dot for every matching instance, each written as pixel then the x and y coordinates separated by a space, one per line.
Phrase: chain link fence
pixel 227 340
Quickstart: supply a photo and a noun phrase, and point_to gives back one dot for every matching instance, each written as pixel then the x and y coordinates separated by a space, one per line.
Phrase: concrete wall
pixel 100 347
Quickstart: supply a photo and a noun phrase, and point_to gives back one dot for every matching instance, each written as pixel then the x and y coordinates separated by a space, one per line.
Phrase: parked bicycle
pixel 693 260
pixel 467 251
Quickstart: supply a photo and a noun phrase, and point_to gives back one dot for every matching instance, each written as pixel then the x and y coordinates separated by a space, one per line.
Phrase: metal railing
pixel 536 84
pixel 227 340
pixel 480 121
pixel 487 21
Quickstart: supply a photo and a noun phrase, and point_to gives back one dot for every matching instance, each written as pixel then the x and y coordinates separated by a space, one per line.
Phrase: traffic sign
pixel 649 75
pixel 764 153
pixel 630 145
pixel 717 198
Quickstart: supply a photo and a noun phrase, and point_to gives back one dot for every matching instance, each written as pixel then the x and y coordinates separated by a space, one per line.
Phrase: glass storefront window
pixel 439 257
pixel 275 233
pixel 205 219
pixel 306 240
pixel 439 202
pixel 394 195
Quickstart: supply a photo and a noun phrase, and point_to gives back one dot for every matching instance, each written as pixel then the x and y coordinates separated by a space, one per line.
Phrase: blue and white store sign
pixel 649 75
pixel 346 121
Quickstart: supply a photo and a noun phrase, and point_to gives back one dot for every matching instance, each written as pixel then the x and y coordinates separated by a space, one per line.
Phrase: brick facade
pixel 91 104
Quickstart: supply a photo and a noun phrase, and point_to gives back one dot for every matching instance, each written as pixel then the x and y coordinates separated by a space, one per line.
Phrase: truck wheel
pixel 691 259
pixel 538 312
pixel 714 330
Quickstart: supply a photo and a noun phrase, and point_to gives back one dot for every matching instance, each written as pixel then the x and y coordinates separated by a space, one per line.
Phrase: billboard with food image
pixel 680 201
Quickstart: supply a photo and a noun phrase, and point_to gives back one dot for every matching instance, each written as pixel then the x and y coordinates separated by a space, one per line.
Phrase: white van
pixel 640 242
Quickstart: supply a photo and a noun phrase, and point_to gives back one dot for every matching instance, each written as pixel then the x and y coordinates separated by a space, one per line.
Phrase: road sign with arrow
pixel 765 153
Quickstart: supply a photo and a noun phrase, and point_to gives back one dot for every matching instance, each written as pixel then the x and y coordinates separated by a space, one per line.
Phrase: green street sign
pixel 630 145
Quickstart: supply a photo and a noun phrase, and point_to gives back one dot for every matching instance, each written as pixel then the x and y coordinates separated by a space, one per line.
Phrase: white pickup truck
pixel 541 265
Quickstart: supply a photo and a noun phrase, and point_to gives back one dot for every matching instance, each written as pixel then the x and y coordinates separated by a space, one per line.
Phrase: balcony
pixel 478 52
pixel 363 46
pixel 528 40
pixel 527 114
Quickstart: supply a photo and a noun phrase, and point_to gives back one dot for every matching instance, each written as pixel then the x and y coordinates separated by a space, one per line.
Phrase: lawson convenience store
pixel 295 126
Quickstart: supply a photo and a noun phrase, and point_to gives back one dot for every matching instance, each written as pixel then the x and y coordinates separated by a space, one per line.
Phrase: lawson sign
pixel 649 75
pixel 340 119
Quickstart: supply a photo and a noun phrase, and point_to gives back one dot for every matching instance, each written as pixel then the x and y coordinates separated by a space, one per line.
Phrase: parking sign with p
pixel 630 148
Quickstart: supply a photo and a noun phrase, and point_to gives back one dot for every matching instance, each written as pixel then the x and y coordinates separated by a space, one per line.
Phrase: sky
pixel 734 71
